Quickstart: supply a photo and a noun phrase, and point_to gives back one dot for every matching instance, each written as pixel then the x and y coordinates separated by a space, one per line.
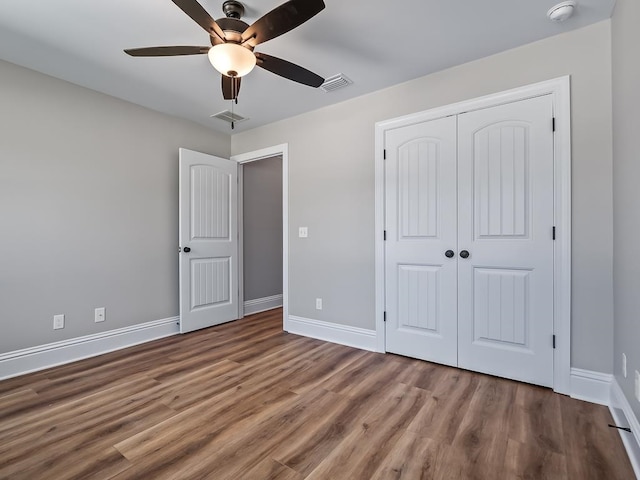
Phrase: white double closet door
pixel 469 210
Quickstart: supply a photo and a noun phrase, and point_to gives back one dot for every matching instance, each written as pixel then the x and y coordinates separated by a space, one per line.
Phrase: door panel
pixel 420 200
pixel 501 180
pixel 505 286
pixel 209 228
pixel 210 202
pixel 210 282
pixel 500 301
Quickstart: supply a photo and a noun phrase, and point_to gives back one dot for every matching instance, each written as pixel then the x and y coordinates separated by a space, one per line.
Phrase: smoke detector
pixel 561 11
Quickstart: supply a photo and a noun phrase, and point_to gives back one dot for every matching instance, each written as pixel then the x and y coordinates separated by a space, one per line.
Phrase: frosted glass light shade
pixel 231 59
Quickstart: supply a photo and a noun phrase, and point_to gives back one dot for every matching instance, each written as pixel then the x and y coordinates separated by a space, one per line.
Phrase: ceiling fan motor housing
pixel 232 28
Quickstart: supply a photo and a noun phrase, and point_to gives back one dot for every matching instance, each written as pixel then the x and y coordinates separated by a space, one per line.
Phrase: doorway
pixel 281 151
pixel 261 204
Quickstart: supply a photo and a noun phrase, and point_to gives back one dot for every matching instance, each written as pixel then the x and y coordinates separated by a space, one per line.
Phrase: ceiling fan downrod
pixel 233 9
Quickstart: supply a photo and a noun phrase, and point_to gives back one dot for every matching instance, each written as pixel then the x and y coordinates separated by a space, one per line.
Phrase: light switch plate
pixel 303 232
pixel 100 315
pixel 58 322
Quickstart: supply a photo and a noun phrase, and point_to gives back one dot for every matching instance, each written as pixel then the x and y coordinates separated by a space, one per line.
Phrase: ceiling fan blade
pixel 230 87
pixel 288 70
pixel 280 20
pixel 200 16
pixel 166 51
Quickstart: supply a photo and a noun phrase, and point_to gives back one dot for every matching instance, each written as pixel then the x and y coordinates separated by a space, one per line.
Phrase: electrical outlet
pixel 100 315
pixel 637 385
pixel 318 304
pixel 58 322
pixel 624 365
pixel 303 232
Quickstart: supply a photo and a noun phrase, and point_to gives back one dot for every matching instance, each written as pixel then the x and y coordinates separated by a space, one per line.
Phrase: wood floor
pixel 247 401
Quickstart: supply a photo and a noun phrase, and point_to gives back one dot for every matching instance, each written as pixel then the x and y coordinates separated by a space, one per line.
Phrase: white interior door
pixel 469 209
pixel 505 222
pixel 208 240
pixel 421 224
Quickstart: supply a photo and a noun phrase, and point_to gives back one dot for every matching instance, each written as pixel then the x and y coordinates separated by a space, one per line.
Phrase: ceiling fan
pixel 233 41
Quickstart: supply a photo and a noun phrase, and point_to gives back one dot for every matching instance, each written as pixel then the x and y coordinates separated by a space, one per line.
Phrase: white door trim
pixel 559 89
pixel 242 158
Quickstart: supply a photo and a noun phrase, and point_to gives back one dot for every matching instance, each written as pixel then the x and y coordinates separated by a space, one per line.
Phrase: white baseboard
pixel 20 362
pixel 590 386
pixel 262 304
pixel 332 332
pixel 624 417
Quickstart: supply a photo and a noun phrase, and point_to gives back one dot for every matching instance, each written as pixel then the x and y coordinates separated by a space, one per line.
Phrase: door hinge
pixel 553 124
pixel 384 235
pixel 384 154
pixel 553 233
pixel 384 317
pixel 554 341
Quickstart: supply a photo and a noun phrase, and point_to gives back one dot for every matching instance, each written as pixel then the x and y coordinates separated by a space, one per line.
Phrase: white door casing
pixel 505 222
pixel 420 199
pixel 208 238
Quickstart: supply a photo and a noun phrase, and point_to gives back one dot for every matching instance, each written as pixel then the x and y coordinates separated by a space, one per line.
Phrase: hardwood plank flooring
pixel 246 401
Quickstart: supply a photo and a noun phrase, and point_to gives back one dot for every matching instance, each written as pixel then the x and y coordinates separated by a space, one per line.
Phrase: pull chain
pixel 234 99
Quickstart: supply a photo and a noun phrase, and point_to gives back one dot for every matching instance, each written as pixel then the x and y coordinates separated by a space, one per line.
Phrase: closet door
pixel 420 217
pixel 505 221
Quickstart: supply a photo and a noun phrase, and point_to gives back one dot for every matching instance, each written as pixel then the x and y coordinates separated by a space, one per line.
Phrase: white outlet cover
pixel 303 232
pixel 318 304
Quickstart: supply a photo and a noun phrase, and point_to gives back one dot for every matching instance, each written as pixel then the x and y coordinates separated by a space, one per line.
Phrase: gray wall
pixel 88 208
pixel 331 181
pixel 626 195
pixel 262 227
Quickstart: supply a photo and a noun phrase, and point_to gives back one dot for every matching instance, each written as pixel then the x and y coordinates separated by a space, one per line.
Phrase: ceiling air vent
pixel 229 117
pixel 335 82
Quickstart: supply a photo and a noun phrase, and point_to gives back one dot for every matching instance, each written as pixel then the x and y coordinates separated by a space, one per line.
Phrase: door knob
pixel 186 249
pixel 449 254
pixel 464 254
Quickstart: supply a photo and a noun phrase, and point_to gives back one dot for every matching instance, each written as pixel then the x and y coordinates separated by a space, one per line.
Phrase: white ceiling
pixel 375 43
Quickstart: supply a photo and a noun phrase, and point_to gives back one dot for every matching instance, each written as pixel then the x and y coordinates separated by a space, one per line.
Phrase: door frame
pixel 560 91
pixel 281 150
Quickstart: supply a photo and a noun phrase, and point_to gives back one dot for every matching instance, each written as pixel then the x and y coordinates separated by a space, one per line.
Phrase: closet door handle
pixel 464 254
pixel 186 249
pixel 449 254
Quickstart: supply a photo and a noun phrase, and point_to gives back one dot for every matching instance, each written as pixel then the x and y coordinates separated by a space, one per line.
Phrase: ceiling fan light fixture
pixel 231 59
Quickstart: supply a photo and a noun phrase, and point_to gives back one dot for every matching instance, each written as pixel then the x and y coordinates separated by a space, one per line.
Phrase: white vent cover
pixel 334 83
pixel 230 117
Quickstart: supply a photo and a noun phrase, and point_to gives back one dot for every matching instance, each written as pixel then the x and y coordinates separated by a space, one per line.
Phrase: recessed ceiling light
pixel 561 11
